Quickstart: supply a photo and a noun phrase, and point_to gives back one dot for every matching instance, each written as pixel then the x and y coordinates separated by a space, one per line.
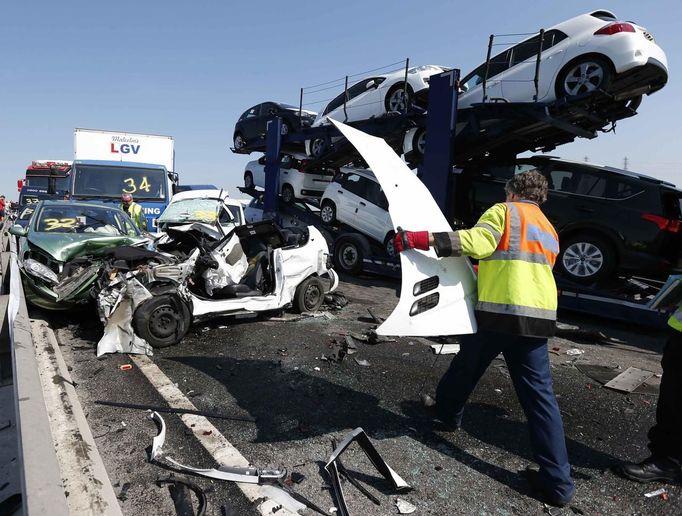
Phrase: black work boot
pixel 650 470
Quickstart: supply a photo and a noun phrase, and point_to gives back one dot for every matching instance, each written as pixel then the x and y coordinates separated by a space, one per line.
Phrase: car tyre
pixel 288 194
pixel 586 259
pixel 584 75
pixel 309 295
pixel 328 212
pixel 286 128
pixel 248 181
pixel 318 147
pixel 348 255
pixel 239 141
pixel 397 100
pixel 162 320
pixel 388 244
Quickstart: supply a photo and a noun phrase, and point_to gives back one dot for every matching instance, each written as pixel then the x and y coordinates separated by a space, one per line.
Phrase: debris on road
pixel 658 492
pixel 575 352
pixel 179 491
pixel 355 483
pixel 172 410
pixel 405 507
pixel 332 467
pixel 629 379
pixel 445 349
pixel 374 317
pixel 126 367
pixel 249 475
pixel 362 362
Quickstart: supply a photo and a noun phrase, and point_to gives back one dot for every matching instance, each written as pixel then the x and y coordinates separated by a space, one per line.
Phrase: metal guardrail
pixel 41 484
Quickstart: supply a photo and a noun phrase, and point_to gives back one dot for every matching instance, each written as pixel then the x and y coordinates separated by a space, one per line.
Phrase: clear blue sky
pixel 189 69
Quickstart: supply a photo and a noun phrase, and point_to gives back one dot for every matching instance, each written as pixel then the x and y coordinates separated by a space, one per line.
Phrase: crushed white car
pixel 254 268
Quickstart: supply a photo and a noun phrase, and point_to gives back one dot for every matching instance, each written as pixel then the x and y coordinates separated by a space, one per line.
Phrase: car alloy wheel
pixel 584 77
pixel 239 142
pixel 421 142
pixel 398 100
pixel 317 147
pixel 288 194
pixel 582 259
pixel 327 213
pixel 285 128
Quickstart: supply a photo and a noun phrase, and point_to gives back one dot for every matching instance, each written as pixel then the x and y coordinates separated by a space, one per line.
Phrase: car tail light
pixel 664 224
pixel 20 184
pixel 615 28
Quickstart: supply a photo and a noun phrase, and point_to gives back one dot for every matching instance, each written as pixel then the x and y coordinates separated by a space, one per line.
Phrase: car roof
pixel 364 172
pixel 612 170
pixel 201 194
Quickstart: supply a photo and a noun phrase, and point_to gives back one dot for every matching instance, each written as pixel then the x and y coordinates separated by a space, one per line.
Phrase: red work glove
pixel 411 240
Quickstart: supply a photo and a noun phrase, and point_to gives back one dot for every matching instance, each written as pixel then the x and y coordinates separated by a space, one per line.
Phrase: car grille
pixel 648 36
pixel 41 258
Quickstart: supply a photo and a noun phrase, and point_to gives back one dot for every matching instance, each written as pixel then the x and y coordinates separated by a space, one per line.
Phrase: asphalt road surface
pixel 272 370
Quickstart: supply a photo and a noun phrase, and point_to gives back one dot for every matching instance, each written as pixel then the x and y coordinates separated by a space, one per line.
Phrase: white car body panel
pixel 292 266
pixel 299 181
pixel 454 313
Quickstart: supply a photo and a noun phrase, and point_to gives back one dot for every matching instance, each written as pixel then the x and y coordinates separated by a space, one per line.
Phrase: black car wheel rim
pixel 584 78
pixel 311 297
pixel 421 142
pixel 163 322
pixel 238 142
pixel 287 195
pixel 583 259
pixel 317 147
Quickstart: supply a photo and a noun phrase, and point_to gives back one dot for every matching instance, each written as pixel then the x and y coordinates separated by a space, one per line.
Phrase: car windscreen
pixel 69 218
pixel 110 182
pixel 61 183
pixel 193 210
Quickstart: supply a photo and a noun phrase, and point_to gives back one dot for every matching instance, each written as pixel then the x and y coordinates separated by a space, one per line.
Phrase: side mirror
pixel 17 230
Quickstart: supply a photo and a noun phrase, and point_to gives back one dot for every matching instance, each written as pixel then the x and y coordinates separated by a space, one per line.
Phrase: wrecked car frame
pixel 254 268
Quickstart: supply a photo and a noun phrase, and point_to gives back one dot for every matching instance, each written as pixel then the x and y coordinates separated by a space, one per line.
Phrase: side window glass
pixel 338 101
pixel 523 167
pixel 525 50
pixel 621 189
pixel 286 162
pixel 353 183
pixel 552 37
pixel 561 181
pixel 498 64
pixel 590 184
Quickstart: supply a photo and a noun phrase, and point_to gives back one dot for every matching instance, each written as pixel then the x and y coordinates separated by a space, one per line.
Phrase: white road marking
pixel 215 443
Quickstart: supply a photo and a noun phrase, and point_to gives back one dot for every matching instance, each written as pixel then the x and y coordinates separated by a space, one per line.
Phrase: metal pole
pixel 537 65
pixel 407 65
pixel 487 65
pixel 300 106
pixel 345 98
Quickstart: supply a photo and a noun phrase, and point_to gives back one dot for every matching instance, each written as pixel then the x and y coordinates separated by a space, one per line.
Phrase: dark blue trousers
pixel 528 363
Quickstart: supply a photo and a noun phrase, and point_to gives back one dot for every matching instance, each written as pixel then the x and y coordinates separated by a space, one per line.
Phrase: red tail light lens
pixel 615 28
pixel 664 224
pixel 20 184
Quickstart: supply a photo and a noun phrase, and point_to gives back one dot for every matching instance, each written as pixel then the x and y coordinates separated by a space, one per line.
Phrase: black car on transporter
pixel 249 131
pixel 609 221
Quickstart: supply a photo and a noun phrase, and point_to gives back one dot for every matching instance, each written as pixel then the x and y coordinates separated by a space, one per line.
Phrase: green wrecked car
pixel 60 250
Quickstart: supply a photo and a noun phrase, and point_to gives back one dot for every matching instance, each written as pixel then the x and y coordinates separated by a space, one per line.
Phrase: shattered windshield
pixel 196 210
pixel 82 219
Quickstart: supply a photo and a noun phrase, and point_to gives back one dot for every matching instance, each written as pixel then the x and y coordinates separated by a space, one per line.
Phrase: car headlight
pixel 41 271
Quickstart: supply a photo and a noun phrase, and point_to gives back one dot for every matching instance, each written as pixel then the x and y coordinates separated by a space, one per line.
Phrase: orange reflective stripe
pixel 527 233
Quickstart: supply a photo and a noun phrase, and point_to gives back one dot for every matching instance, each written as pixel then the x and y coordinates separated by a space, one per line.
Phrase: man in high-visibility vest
pixel 665 437
pixel 134 211
pixel 516 313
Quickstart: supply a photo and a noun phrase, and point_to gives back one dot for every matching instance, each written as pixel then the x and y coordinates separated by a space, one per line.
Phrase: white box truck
pixel 109 163
pixel 93 144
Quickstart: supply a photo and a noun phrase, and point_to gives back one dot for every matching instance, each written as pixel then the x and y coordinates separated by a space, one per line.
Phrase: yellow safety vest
pixel 675 320
pixel 136 214
pixel 516 246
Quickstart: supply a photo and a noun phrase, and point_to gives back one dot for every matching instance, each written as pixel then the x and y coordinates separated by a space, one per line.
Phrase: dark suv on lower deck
pixel 609 220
